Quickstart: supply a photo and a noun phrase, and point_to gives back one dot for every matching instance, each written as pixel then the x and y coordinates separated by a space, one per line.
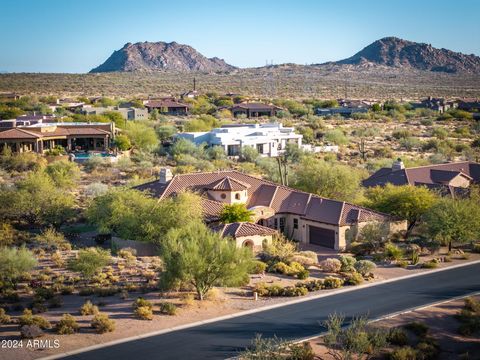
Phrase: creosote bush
pixel 67 325
pixel 89 309
pixel 102 323
pixel 331 265
pixel 144 313
pixel 168 308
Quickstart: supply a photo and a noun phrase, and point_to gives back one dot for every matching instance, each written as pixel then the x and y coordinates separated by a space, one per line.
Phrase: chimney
pixel 165 175
pixel 398 165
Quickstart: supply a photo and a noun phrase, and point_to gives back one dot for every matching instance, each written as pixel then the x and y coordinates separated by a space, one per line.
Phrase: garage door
pixel 322 237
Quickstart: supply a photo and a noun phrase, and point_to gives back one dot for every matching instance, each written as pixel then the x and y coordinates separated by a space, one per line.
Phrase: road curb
pixel 253 311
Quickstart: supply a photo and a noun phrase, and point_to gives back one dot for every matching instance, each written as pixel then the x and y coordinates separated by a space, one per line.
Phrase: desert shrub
pixel 102 323
pixel 281 249
pixel 258 267
pixel 304 274
pixel 129 255
pixel 30 331
pixel 66 290
pixel 276 349
pixel 294 291
pixel 353 278
pixel 427 350
pixel 89 309
pixel 57 259
pixel 45 293
pixel 4 318
pixel 365 267
pixel 301 351
pixel 168 308
pixel 188 299
pixel 144 313
pixel 417 328
pixel 86 291
pixel 469 317
pixel 403 353
pixel 476 248
pixel 53 239
pixel 107 291
pixel 89 261
pixel 29 319
pixel 397 336
pixel 141 302
pixel 277 290
pixel 347 263
pixel 291 270
pixel 306 258
pixel 432 264
pixel 330 265
pixel 332 283
pixel 67 325
pixel 312 285
pixel 392 252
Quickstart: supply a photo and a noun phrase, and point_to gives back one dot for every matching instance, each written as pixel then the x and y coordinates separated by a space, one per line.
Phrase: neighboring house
pixel 254 110
pixel 343 111
pixel 168 106
pixel 437 104
pixel 247 234
pixel 320 149
pixel 128 113
pixel 449 179
pixel 301 216
pixel 71 136
pixel 268 139
pixel 189 94
pixel 469 105
pixel 9 96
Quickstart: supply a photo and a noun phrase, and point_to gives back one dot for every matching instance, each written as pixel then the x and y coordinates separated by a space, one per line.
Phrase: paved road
pixel 225 338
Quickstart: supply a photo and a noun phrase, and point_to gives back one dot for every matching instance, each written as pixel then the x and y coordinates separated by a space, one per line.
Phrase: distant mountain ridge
pixel 387 52
pixel 151 56
pixel 395 52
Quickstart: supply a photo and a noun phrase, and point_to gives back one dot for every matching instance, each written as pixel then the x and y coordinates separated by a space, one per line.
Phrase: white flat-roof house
pixel 268 139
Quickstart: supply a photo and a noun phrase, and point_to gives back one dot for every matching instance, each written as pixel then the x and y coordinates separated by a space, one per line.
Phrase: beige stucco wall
pixel 257 240
pixel 460 181
pixel 229 196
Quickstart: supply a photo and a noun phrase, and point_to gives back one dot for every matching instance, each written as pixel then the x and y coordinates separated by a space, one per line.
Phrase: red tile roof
pixel 228 184
pixel 261 192
pixel 16 133
pixel 242 229
pixel 430 174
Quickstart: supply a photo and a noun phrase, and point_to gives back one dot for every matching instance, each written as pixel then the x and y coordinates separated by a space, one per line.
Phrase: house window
pixel 295 223
pixel 223 195
pixel 260 148
pixel 237 196
pixel 282 224
pixel 275 223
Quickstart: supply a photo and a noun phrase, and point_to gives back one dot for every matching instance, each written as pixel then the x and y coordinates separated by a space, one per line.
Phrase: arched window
pixel 237 196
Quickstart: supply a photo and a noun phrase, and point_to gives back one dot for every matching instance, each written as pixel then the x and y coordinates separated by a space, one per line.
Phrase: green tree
pixel 63 173
pixel 165 132
pixel 327 179
pixel 197 256
pixel 37 200
pixel 116 117
pixel 249 153
pixel 15 261
pixel 89 261
pixel 336 137
pixel 132 214
pixel 406 202
pixel 454 220
pixel 235 213
pixel 122 142
pixel 142 136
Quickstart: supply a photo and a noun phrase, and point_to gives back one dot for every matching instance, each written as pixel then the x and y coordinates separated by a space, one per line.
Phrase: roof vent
pixel 165 175
pixel 398 165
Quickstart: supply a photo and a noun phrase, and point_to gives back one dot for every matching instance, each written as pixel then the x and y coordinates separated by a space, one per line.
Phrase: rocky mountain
pixel 395 52
pixel 152 56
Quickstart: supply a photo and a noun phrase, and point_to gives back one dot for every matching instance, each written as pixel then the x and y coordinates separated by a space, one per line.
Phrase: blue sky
pixel 75 36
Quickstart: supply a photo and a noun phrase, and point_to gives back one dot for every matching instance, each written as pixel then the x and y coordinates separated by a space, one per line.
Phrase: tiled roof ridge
pixel 278 186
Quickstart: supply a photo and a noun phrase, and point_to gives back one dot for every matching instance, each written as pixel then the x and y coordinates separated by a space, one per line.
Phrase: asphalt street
pixel 226 338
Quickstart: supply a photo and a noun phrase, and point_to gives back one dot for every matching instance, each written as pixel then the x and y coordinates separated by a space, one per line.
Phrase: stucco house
pixel 268 139
pixel 301 216
pixel 453 179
